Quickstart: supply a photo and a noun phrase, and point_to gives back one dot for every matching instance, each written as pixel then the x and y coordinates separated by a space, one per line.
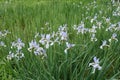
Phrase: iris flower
pixel 104 43
pixel 68 46
pixel 95 64
pixel 114 35
pixel 10 56
pixel 18 44
pixel 34 46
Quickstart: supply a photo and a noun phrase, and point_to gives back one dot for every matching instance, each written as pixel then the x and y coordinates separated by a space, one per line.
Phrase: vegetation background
pixel 24 18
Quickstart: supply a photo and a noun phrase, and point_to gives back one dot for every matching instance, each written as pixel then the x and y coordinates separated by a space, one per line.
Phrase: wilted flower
pixel 68 46
pixel 95 64
pixel 104 43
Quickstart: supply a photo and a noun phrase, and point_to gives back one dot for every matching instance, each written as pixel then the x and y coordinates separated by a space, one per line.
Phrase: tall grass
pixel 25 18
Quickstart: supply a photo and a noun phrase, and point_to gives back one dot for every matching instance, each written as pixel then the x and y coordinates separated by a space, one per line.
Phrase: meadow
pixel 59 40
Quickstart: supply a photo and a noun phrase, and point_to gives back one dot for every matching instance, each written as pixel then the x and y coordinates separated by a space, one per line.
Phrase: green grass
pixel 23 18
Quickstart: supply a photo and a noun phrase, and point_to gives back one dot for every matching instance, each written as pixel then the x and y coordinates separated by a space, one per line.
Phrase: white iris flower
pixel 95 64
pixel 68 46
pixel 104 43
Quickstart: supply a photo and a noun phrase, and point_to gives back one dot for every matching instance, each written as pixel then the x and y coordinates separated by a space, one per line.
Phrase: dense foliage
pixel 59 40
